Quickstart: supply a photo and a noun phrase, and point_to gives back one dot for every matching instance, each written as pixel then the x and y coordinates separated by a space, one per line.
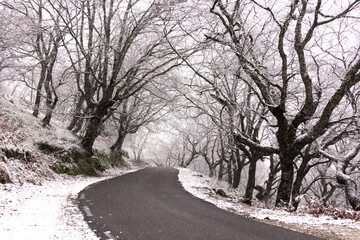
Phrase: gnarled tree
pixel 276 73
pixel 116 48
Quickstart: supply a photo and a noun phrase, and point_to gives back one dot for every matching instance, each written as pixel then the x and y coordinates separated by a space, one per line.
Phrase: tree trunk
pixel 237 177
pixel 46 120
pixel 230 169
pixel 78 125
pixel 119 142
pixel 352 197
pixel 222 157
pixel 77 114
pixel 221 169
pixel 300 175
pixel 123 128
pixel 39 88
pixel 251 179
pixel 51 97
pixel 287 155
pixel 350 190
pixel 238 167
pixel 93 128
pixel 91 133
pixel 286 181
pixel 94 124
pixel 274 169
pixel 211 171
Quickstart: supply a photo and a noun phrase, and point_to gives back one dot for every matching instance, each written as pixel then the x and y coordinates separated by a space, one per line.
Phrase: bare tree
pixel 188 151
pixel 103 37
pixel 274 86
pixel 7 38
pixel 42 42
pixel 137 111
pixel 346 165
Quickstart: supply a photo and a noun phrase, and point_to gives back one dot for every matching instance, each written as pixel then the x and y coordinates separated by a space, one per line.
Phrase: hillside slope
pixel 35 201
pixel 32 153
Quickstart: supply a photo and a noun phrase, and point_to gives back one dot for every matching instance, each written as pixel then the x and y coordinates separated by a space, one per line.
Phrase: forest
pixel 261 94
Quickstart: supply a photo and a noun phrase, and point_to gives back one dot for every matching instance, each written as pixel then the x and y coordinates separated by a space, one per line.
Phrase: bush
pixel 316 208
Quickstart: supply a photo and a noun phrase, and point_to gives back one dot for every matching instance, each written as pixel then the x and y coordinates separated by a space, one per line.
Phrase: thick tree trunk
pixel 93 127
pixel 287 155
pixel 91 133
pixel 94 124
pixel 286 181
pixel 350 190
pixel 351 195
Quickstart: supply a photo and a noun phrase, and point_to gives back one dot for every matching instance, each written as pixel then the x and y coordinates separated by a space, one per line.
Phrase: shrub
pixel 316 208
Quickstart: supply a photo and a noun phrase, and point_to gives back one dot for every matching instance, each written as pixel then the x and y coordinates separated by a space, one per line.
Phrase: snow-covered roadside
pixel 46 212
pixel 201 186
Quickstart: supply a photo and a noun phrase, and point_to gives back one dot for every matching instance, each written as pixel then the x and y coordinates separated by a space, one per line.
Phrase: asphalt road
pixel 150 204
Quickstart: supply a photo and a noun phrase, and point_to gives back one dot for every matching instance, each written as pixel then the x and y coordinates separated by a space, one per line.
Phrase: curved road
pixel 150 204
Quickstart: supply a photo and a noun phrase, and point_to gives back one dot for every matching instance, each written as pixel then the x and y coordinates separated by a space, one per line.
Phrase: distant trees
pixel 134 112
pixel 7 38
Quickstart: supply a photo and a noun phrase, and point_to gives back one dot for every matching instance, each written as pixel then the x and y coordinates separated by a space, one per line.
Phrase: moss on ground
pixel 76 161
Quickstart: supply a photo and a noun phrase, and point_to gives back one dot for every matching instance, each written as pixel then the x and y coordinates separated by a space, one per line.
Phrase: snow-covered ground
pixel 46 212
pixel 49 211
pixel 325 226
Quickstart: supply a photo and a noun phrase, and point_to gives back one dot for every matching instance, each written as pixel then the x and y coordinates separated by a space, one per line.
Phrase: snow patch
pixel 202 187
pixel 46 212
